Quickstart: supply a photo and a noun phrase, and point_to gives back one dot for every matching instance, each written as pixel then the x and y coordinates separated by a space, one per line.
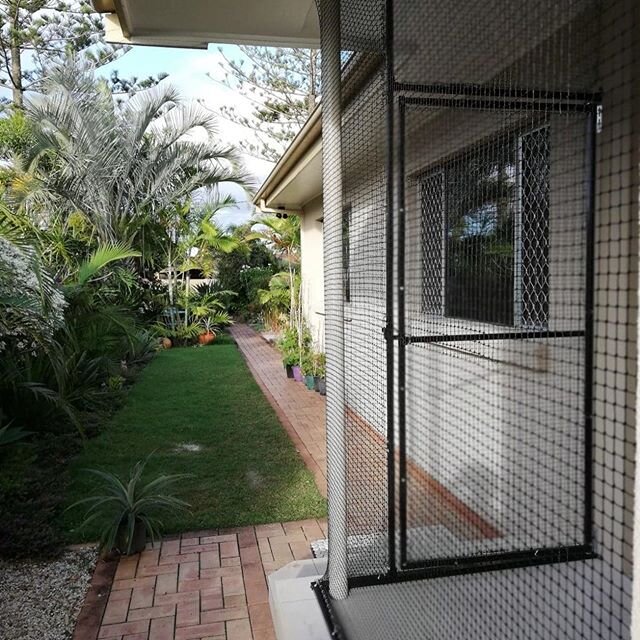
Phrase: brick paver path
pixel 302 412
pixel 206 585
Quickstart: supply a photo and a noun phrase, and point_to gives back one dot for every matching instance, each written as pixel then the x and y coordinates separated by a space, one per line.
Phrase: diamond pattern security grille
pixel 492 205
pixel 532 293
pixel 432 240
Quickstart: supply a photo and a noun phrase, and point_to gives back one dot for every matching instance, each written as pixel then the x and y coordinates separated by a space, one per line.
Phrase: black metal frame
pixel 495 561
pixel 321 590
pixel 390 310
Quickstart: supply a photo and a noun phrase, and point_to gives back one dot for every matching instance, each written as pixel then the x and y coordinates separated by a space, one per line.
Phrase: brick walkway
pixel 302 412
pixel 209 585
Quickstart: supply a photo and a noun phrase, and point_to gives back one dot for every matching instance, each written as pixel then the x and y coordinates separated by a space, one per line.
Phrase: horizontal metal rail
pixel 482 91
pixel 477 337
pixel 496 104
pixel 442 568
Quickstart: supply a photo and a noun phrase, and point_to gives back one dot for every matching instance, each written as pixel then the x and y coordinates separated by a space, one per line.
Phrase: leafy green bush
pixel 294 346
pixel 246 271
pixel 319 365
pixel 11 435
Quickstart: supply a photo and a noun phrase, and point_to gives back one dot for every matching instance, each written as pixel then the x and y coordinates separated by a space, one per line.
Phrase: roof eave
pixel 310 133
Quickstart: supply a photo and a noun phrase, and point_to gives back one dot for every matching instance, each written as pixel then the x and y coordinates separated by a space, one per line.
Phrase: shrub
pixel 130 508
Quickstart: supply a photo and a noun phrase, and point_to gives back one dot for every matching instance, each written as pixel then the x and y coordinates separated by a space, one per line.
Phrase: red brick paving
pixel 302 412
pixel 204 586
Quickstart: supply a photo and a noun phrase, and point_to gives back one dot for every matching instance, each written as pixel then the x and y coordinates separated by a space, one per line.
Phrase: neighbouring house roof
pixel 169 23
pixel 297 177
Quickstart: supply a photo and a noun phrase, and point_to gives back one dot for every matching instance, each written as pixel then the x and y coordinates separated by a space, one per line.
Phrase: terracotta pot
pixel 206 338
pixel 166 343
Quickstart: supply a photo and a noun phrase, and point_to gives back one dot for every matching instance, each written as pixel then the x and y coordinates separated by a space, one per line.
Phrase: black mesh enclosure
pixel 481 181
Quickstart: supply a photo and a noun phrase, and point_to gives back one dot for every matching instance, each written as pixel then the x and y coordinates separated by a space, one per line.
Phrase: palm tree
pixel 122 164
pixel 282 236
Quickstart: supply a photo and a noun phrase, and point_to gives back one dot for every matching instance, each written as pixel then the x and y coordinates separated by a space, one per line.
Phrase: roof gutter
pixel 304 140
pixel 116 23
pixel 104 6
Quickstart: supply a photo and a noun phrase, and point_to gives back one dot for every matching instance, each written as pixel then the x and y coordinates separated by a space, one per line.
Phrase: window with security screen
pixel 346 251
pixel 485 232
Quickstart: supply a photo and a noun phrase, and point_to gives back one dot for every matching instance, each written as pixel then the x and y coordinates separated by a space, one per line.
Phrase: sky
pixel 187 70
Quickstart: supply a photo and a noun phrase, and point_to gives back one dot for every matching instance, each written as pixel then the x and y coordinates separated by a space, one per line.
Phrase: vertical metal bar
pixel 588 329
pixel 391 475
pixel 402 347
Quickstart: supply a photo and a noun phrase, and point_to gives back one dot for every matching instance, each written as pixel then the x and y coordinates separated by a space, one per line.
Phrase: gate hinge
pixel 389 335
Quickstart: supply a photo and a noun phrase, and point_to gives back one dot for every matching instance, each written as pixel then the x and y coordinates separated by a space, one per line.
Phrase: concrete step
pixel 294 607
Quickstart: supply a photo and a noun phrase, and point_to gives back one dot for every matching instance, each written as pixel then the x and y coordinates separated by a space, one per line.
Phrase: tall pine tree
pixel 34 34
pixel 281 85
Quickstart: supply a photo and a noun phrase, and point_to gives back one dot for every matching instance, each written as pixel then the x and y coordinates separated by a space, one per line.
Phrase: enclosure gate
pixel 476 290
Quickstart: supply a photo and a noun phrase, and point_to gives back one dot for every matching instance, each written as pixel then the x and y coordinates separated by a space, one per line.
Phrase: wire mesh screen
pixel 495 329
pixel 482 176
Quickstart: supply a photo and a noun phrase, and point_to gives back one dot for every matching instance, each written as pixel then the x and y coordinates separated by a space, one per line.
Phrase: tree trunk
pixel 311 96
pixel 16 73
pixel 171 288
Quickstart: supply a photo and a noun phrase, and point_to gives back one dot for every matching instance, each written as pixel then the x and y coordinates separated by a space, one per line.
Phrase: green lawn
pixel 246 470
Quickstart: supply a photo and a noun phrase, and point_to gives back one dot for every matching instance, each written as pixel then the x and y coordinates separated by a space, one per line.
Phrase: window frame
pixel 514 137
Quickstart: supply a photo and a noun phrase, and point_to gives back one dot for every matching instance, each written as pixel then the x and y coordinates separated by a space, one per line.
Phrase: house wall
pixel 481 418
pixel 471 410
pixel 312 271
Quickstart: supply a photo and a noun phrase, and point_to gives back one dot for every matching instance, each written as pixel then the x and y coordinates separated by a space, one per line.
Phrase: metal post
pixel 635 602
pixel 390 298
pixel 635 163
pixel 334 306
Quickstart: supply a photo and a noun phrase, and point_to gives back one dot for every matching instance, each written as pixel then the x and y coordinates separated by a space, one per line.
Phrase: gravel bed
pixel 40 600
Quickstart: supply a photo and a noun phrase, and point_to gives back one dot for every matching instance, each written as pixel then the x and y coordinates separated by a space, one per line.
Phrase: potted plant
pixel 320 364
pixel 289 360
pixel 208 335
pixel 307 366
pixel 288 346
pixel 211 317
pixel 297 373
pixel 129 508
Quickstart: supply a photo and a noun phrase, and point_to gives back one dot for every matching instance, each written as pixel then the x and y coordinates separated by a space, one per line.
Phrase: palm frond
pixel 100 258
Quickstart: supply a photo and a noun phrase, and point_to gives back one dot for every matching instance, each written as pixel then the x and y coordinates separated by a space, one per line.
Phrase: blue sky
pixel 188 69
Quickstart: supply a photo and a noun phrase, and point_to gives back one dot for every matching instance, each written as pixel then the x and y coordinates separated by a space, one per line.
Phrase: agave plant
pixel 130 508
pixel 10 435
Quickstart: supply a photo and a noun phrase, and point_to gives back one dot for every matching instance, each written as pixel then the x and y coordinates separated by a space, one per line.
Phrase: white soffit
pixel 301 184
pixel 196 23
